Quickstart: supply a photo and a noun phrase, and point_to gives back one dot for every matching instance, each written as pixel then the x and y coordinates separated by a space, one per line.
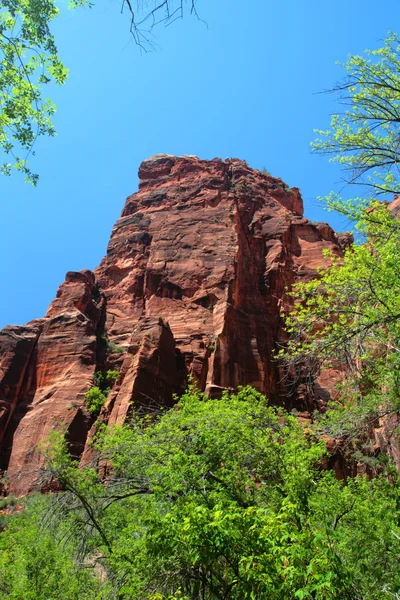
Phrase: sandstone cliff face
pixel 194 282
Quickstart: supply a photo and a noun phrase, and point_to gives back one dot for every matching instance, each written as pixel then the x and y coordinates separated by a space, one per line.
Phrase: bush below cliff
pixel 213 499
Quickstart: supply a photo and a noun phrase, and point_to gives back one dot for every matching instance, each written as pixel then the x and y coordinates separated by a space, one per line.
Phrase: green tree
pixel 364 138
pixel 225 499
pixel 29 62
pixel 37 563
pixel 349 317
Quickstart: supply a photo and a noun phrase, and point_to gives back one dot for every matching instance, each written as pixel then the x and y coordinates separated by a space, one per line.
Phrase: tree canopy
pixel 217 499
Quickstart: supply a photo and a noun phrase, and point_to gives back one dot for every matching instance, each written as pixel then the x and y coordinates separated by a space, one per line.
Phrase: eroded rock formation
pixel 194 282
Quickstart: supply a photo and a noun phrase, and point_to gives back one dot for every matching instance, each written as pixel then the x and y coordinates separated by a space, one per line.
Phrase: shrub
pixel 39 563
pixel 95 400
pixel 114 348
pixel 98 379
pixel 111 347
pixel 104 381
pixel 111 376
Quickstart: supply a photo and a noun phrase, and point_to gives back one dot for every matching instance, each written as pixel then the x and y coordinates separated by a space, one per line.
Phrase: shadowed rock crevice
pixel 77 432
pixel 16 398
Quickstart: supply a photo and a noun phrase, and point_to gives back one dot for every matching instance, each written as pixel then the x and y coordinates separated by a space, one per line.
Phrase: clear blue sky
pixel 244 87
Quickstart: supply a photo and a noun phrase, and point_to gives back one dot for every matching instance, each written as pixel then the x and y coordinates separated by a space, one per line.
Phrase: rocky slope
pixel 194 282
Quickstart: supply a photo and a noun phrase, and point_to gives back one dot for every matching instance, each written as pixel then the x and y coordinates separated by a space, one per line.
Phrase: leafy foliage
pixel 227 499
pixel 95 400
pixel 111 346
pixel 364 139
pixel 29 61
pixel 349 318
pixel 96 397
pixel 105 380
pixel 37 563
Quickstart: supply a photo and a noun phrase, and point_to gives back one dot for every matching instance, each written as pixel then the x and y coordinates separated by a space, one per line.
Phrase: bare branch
pixel 143 20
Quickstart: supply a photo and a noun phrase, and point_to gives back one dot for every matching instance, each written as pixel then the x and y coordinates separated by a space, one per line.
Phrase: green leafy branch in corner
pixel 39 563
pixel 29 61
pixel 364 139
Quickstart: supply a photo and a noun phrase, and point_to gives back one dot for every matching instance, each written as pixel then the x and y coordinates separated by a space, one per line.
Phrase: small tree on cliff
pixel 29 61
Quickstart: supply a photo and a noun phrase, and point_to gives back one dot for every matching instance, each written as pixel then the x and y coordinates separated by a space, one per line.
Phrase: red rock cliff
pixel 193 282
